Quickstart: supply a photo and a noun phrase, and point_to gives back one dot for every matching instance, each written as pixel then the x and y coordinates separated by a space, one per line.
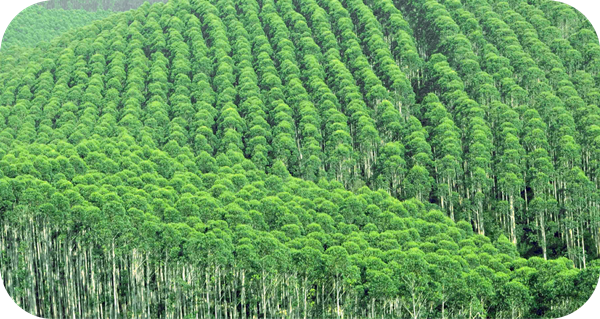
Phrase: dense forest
pixel 304 159
pixel 36 24
pixel 94 5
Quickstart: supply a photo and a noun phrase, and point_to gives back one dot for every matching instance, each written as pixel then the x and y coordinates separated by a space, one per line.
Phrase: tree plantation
pixel 302 159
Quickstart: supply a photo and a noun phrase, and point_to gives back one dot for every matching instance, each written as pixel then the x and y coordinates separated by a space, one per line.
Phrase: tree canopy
pixel 301 159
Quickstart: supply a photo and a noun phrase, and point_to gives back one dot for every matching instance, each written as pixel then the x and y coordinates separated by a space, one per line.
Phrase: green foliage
pixel 37 24
pixel 96 5
pixel 302 159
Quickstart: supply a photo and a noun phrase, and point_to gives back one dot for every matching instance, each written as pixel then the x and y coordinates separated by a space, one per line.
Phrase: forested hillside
pixel 93 5
pixel 36 24
pixel 304 159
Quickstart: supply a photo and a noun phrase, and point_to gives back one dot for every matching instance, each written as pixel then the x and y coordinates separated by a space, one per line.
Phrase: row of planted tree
pixel 531 122
pixel 526 168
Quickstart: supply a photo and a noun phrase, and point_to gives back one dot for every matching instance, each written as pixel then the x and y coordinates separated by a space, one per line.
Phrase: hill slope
pixel 312 158
pixel 36 24
pixel 93 5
